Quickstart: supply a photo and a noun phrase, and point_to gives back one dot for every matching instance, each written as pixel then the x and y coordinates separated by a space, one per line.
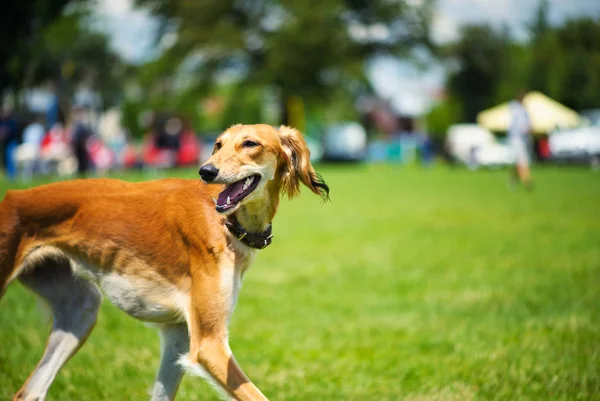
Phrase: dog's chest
pixel 232 271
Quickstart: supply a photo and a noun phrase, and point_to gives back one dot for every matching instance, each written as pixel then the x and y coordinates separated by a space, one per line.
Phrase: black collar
pixel 253 240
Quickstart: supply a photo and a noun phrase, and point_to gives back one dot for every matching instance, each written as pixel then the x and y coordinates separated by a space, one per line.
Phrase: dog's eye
pixel 250 144
pixel 218 146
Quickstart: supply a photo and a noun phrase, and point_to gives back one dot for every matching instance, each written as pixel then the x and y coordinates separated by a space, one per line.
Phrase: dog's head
pixel 256 162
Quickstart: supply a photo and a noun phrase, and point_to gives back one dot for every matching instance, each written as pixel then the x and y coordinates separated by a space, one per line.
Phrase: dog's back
pixel 68 214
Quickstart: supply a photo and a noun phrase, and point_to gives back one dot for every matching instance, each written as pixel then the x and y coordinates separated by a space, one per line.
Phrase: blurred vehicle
pixel 345 141
pixel 475 146
pixel 592 116
pixel 494 154
pixel 316 150
pixel 577 145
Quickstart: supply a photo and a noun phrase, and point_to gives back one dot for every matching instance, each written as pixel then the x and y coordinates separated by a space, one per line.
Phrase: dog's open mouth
pixel 234 193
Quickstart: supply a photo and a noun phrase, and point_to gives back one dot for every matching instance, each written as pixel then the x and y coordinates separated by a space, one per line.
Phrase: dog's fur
pixel 158 250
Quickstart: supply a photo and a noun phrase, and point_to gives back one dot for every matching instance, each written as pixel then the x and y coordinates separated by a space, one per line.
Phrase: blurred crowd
pixel 39 144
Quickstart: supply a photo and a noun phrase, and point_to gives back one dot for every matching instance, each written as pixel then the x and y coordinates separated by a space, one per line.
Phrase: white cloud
pixel 114 6
pixel 515 14
pixel 131 30
pixel 409 89
pixel 445 29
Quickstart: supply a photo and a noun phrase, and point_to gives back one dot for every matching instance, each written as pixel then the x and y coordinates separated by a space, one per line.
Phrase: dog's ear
pixel 297 165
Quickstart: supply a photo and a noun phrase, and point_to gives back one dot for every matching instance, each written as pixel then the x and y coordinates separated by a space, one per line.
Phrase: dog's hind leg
pixel 174 341
pixel 74 303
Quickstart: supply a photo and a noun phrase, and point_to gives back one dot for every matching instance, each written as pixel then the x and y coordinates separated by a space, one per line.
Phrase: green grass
pixel 410 285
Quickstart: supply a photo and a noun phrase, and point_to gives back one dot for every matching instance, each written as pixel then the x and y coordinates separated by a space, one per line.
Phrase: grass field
pixel 410 285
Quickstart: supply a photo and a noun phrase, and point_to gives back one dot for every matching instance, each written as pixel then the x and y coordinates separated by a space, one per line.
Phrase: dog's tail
pixel 9 241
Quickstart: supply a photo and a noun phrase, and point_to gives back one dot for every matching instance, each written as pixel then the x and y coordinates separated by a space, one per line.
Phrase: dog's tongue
pixel 233 191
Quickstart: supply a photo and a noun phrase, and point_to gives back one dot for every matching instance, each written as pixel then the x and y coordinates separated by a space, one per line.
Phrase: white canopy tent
pixel 545 115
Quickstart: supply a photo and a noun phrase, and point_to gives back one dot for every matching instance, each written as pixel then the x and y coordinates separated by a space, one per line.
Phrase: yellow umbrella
pixel 545 115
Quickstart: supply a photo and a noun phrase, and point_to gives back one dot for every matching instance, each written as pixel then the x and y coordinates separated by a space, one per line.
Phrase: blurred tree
pixel 71 56
pixel 50 41
pixel 516 74
pixel 21 23
pixel 442 115
pixel 541 46
pixel 566 59
pixel 482 56
pixel 309 49
pixel 575 66
pixel 491 67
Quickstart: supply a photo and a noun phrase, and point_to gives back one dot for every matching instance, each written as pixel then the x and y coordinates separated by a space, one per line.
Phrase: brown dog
pixel 171 252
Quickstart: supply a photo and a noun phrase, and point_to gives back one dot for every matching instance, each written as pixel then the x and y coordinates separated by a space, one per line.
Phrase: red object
pixel 544 148
pixel 189 149
pixel 187 154
pixel 130 157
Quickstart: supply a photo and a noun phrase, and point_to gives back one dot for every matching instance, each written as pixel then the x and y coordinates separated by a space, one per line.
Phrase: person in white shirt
pixel 518 139
pixel 28 153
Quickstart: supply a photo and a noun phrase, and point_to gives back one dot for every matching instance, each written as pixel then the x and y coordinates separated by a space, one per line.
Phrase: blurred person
pixel 53 114
pixel 81 132
pixel 518 139
pixel 9 139
pixel 55 151
pixel 118 146
pixel 101 156
pixel 168 137
pixel 189 148
pixel 28 153
pixel 162 145
pixel 426 149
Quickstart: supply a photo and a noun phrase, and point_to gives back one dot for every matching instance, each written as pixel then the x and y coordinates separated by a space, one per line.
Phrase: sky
pixel 409 89
pixel 450 14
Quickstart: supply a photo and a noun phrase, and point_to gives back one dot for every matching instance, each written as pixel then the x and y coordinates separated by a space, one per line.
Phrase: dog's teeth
pixel 228 200
pixel 247 183
pixel 214 200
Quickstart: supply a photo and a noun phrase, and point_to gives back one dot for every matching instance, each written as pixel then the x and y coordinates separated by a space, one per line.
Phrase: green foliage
pixel 243 106
pixel 516 74
pixel 71 54
pixel 442 115
pixel 560 61
pixel 20 23
pixel 576 64
pixel 314 50
pixel 482 54
pixel 52 42
pixel 450 288
pixel 131 110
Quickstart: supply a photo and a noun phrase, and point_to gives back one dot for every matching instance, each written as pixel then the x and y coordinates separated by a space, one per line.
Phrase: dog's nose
pixel 208 172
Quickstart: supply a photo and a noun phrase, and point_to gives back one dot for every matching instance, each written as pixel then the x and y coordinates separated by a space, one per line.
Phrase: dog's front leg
pixel 214 355
pixel 209 347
